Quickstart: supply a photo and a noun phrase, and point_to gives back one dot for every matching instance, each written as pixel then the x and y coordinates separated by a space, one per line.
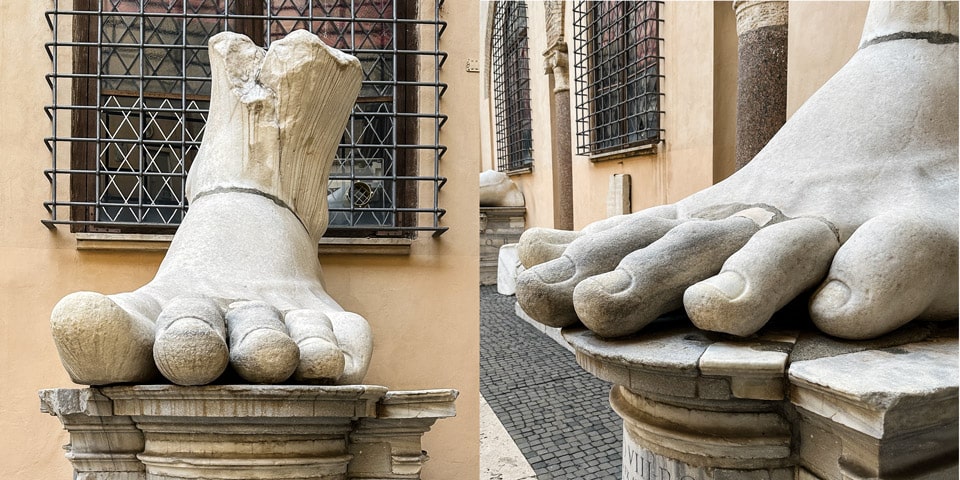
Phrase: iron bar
pixel 148 78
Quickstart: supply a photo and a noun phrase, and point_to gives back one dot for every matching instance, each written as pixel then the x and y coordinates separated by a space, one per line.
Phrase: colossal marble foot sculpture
pixel 241 283
pixel 857 193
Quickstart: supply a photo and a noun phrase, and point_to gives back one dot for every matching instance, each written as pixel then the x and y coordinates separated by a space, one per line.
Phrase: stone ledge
pixel 140 242
pixel 504 211
pixel 350 401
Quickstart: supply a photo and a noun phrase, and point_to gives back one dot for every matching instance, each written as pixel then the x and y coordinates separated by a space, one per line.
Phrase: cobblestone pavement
pixel 556 413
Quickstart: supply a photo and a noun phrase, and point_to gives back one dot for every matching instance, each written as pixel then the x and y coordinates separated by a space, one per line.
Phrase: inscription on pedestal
pixel 642 464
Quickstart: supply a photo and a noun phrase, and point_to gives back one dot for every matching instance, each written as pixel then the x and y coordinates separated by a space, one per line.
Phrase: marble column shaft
pixel 761 74
pixel 557 67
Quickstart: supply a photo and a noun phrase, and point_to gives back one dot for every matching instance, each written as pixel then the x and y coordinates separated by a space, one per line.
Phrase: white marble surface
pixel 500 458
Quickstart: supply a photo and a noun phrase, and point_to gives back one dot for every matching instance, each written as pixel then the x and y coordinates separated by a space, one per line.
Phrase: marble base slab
pixel 782 404
pixel 233 432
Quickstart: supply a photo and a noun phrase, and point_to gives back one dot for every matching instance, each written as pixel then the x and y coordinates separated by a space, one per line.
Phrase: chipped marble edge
pixel 877 408
pixel 755 370
pixel 433 403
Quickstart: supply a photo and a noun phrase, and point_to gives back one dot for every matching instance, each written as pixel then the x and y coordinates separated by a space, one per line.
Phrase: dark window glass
pixel 511 87
pixel 140 94
pixel 617 53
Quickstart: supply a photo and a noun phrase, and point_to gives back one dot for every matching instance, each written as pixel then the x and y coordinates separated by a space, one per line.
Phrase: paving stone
pixel 557 413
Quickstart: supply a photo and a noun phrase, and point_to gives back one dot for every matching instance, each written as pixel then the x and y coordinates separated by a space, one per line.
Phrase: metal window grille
pixel 131 83
pixel 617 75
pixel 511 92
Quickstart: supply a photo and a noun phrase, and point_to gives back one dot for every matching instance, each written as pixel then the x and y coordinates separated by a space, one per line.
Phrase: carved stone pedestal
pixel 498 227
pixel 781 405
pixel 165 432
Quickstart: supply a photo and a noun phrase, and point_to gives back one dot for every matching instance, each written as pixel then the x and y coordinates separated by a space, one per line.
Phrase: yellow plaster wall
pixel 488 151
pixel 725 66
pixel 424 308
pixel 683 163
pixel 822 37
pixel 538 186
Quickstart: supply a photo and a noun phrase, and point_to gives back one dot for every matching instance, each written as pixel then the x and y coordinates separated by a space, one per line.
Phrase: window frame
pixel 617 65
pixel 510 56
pixel 410 208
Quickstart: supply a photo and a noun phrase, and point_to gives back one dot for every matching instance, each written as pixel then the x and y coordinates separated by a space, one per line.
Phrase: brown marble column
pixel 761 74
pixel 557 67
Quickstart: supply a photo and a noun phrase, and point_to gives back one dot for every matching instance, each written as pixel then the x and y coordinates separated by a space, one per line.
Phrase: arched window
pixel 511 86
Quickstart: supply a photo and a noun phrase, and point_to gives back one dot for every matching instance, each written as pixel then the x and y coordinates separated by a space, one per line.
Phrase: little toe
pixel 321 359
pixel 651 281
pixel 100 342
pixel 893 269
pixel 191 345
pixel 775 266
pixel 261 351
pixel 546 291
pixel 356 343
pixel 539 245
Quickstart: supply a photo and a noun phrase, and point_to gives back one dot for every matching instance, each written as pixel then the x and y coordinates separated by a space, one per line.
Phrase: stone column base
pixel 498 227
pixel 780 405
pixel 233 432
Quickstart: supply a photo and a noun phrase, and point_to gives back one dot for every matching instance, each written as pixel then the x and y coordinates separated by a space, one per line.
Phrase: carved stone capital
pixel 754 14
pixel 555 63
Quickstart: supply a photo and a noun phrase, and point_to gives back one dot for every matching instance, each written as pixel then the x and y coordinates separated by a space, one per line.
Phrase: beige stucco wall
pixel 683 163
pixel 536 185
pixel 724 91
pixel 699 87
pixel 822 37
pixel 426 326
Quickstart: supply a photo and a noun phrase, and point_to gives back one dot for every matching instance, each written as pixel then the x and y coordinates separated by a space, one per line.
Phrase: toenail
pixel 613 283
pixel 834 293
pixel 556 271
pixel 729 283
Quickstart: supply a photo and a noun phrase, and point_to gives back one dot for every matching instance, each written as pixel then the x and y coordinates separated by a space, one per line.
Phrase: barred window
pixel 139 81
pixel 511 86
pixel 617 75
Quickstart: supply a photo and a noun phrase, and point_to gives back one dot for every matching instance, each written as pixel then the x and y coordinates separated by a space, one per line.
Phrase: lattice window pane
pixel 141 83
pixel 617 53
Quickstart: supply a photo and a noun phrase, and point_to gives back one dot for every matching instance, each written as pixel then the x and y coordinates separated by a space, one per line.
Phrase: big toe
pixel 100 342
pixel 893 269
